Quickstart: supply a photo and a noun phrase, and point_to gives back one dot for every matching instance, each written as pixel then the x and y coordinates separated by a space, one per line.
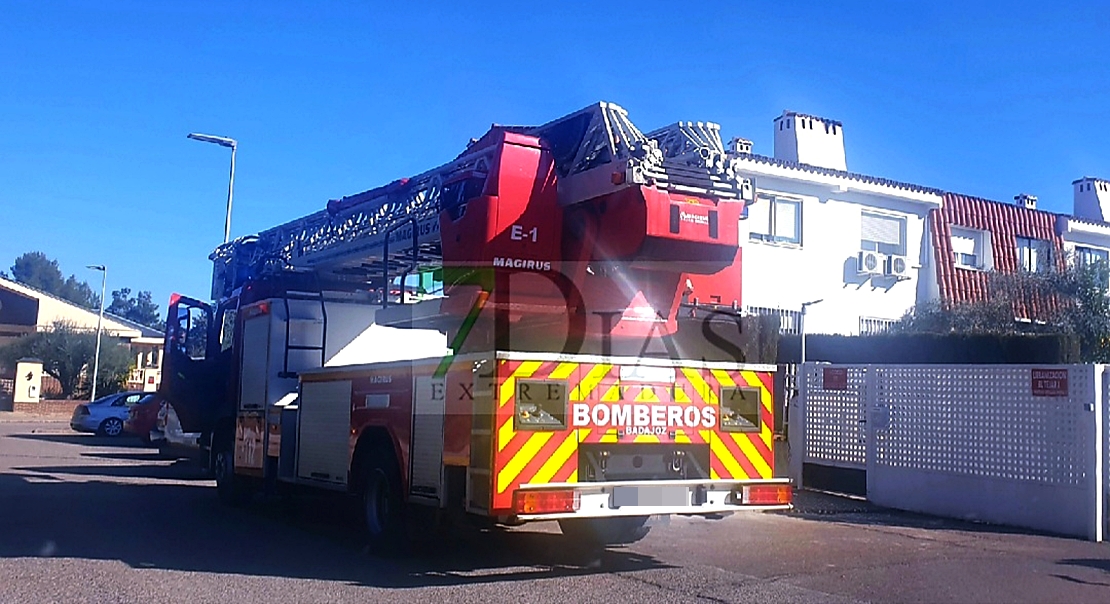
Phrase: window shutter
pixel 963 245
pixel 759 216
pixel 965 242
pixel 881 229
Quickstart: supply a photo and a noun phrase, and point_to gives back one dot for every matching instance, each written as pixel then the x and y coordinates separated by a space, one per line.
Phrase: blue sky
pixel 330 98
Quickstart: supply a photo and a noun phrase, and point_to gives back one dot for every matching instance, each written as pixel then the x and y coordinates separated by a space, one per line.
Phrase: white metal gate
pixel 832 417
pixel 1011 444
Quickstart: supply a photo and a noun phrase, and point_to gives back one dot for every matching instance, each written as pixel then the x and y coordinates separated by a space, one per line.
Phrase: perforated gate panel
pixel 978 421
pixel 835 428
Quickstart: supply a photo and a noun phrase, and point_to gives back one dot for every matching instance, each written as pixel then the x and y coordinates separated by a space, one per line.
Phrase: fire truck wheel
pixel 382 506
pixel 231 488
pixel 605 531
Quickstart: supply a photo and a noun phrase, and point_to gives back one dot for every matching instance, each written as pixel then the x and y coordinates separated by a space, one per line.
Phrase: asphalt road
pixel 91 519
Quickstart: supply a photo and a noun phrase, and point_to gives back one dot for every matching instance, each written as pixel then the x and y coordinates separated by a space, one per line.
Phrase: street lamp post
pixel 802 325
pixel 99 324
pixel 232 144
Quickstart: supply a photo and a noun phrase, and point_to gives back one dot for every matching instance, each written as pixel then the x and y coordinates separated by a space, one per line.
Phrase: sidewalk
pixel 21 416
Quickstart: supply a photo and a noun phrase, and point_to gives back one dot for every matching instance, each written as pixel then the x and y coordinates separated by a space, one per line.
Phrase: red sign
pixel 834 378
pixel 1049 382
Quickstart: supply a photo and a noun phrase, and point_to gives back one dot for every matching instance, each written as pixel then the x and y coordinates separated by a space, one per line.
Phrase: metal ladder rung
pixel 289 320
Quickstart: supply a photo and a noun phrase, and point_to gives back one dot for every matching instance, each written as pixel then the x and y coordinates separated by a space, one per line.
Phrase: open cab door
pixel 194 373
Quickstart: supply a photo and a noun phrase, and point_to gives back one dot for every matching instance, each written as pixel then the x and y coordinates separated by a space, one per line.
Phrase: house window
pixel 969 248
pixel 1034 255
pixel 1089 256
pixel 1094 257
pixel 882 233
pixel 776 219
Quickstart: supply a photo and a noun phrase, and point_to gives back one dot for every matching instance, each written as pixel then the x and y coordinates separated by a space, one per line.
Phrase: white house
pixel 25 310
pixel 1086 234
pixel 819 232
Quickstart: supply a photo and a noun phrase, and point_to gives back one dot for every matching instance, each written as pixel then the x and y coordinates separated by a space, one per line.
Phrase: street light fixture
pixel 802 325
pixel 99 324
pixel 232 144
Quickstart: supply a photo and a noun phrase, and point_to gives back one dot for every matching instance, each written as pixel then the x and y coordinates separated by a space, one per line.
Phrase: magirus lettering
pixel 693 218
pixel 533 265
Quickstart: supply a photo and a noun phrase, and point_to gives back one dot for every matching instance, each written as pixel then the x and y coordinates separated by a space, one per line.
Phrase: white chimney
pixel 739 145
pixel 1026 201
pixel 1091 199
pixel 808 139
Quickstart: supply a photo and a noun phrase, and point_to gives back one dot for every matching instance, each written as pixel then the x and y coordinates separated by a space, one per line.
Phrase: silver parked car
pixel 105 415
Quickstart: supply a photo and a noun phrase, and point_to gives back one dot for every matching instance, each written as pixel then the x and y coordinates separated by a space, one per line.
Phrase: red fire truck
pixel 542 328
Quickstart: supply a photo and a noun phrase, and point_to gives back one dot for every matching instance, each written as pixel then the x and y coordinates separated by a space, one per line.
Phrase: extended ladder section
pixel 695 161
pixel 370 238
pixel 594 143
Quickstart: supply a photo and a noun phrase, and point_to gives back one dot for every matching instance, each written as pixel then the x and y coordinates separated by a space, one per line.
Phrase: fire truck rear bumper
pixel 649 498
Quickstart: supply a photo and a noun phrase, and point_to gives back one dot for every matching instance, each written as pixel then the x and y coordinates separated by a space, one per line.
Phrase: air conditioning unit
pixel 896 266
pixel 869 263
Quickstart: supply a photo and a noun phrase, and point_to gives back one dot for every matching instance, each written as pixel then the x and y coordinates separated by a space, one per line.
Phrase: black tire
pixel 165 451
pixel 231 489
pixel 383 508
pixel 620 530
pixel 113 426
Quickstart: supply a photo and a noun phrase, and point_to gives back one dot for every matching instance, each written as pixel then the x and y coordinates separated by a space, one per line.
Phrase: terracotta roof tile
pixel 1005 222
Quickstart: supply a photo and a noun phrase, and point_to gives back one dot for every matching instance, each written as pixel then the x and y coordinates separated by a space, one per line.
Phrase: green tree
pixel 1086 308
pixel 78 292
pixel 140 309
pixel 67 354
pixel 1072 299
pixel 38 271
pixel 42 273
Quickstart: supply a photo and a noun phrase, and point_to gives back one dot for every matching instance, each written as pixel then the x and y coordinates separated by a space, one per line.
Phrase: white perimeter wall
pixel 974 442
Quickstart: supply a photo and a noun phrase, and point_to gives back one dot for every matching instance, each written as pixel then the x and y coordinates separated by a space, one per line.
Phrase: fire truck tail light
pixel 546 502
pixel 767 494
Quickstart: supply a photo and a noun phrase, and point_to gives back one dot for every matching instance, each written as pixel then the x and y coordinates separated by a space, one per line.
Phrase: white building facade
pixel 1086 233
pixel 818 232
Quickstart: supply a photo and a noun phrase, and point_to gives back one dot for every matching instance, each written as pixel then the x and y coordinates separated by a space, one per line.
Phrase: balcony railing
pixel 790 321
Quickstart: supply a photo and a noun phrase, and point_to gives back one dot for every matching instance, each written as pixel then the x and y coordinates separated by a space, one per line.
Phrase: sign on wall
pixel 1049 382
pixel 834 378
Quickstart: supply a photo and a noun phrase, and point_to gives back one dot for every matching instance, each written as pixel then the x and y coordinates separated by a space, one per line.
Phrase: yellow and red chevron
pixel 543 457
pixel 742 455
pixel 530 457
